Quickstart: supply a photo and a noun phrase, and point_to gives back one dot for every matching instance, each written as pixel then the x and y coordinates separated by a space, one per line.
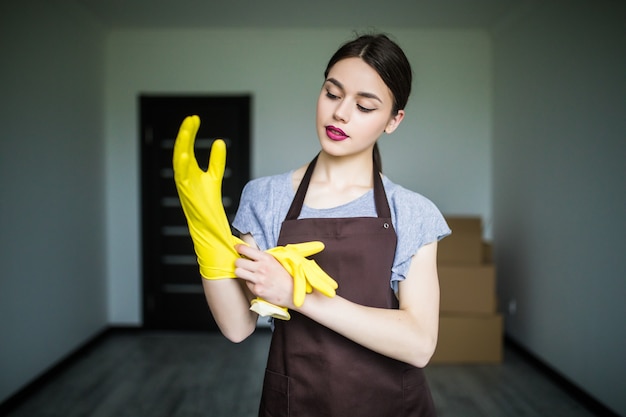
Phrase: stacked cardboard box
pixel 470 328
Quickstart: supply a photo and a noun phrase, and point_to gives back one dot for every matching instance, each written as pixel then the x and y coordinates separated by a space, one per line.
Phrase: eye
pixel 364 109
pixel 331 95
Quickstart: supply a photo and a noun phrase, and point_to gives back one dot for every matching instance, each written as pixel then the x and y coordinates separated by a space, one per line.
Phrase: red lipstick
pixel 334 133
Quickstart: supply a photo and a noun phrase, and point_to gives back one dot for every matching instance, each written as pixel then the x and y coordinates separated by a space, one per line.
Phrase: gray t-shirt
pixel 417 221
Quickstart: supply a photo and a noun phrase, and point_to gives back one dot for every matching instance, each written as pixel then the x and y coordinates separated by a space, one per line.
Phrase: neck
pixel 344 171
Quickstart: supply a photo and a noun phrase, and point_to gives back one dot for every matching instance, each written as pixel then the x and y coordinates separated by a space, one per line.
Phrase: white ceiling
pixel 353 14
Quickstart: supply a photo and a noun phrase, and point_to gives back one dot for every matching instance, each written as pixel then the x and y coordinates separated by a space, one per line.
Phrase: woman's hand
pixel 200 194
pixel 264 276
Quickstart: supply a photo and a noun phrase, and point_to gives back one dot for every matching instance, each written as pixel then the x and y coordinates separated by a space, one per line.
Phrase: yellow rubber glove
pixel 307 274
pixel 200 194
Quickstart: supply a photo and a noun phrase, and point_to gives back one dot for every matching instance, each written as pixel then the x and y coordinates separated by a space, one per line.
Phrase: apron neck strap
pixel 380 198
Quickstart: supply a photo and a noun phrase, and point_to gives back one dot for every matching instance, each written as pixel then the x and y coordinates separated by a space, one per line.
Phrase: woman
pixel 361 352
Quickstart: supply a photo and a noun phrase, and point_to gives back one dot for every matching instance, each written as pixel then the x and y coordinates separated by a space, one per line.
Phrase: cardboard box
pixel 467 225
pixel 488 253
pixel 467 289
pixel 465 244
pixel 469 339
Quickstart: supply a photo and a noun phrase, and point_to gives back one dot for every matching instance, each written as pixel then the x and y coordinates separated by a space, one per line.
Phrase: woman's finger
pixel 249 252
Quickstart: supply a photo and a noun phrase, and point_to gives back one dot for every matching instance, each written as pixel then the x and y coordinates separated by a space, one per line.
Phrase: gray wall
pixel 559 188
pixel 52 251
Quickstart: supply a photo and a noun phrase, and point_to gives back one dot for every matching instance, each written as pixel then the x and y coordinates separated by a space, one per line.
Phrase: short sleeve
pixel 418 222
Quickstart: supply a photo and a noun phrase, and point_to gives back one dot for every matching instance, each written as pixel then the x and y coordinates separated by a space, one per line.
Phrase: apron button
pixel 386 225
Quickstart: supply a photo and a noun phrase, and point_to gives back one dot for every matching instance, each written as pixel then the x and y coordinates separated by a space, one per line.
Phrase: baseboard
pixel 580 395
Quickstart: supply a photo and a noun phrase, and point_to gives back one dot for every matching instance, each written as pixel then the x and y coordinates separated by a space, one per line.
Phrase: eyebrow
pixel 360 93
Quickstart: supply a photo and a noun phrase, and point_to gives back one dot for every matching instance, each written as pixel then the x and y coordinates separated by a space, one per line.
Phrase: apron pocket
pixel 275 397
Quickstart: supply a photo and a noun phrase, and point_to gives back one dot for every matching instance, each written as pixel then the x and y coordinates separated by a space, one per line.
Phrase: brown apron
pixel 315 372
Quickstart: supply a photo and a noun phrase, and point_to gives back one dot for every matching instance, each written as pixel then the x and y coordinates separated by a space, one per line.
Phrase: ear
pixel 394 122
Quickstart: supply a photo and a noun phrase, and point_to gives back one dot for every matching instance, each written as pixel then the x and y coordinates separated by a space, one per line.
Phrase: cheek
pixel 320 107
pixel 325 110
pixel 375 126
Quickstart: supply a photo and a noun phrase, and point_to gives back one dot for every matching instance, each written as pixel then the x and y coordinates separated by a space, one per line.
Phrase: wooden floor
pixel 181 374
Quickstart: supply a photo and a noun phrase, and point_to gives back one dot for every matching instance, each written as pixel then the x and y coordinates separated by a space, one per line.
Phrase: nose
pixel 342 112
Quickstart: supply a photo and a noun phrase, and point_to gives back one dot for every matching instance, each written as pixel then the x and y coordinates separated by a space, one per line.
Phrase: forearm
pixel 229 302
pixel 398 334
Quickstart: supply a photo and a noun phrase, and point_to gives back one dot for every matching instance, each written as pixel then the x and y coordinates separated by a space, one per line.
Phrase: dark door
pixel 172 287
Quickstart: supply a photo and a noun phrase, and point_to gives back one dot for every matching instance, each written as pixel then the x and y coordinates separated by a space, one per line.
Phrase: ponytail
pixel 377 158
